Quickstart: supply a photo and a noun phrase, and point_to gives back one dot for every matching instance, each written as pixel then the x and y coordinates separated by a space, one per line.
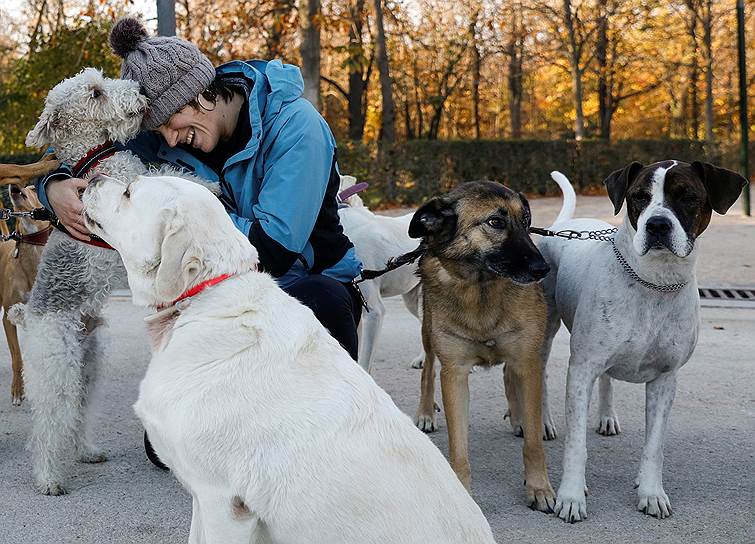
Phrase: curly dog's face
pixel 171 234
pixel 89 104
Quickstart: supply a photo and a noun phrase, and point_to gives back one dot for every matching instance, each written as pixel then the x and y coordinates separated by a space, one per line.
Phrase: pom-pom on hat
pixel 172 72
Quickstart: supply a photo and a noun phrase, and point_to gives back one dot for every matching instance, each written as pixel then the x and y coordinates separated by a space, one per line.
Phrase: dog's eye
pixel 496 222
pixel 96 93
pixel 640 198
pixel 127 192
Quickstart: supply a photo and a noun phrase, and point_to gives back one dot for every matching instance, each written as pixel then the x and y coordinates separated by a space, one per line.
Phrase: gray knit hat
pixel 172 72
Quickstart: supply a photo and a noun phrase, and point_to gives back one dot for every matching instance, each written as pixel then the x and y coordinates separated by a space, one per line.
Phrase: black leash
pixel 394 263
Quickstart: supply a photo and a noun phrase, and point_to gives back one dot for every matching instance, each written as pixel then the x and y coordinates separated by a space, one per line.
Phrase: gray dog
pixel 83 115
pixel 632 307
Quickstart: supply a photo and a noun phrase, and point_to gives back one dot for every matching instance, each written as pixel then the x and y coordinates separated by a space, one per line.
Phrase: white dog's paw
pixel 51 488
pixel 609 425
pixel 549 428
pixel 92 455
pixel 426 422
pixel 654 502
pixel 419 361
pixel 571 507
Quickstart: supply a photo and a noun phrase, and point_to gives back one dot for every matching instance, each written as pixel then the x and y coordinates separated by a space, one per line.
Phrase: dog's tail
pixel 570 197
pixel 17 314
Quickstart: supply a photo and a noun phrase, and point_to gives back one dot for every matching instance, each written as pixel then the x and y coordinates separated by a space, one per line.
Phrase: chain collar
pixel 606 235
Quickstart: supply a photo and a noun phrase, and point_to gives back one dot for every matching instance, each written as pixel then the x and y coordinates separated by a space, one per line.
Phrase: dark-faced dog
pixel 632 307
pixel 482 306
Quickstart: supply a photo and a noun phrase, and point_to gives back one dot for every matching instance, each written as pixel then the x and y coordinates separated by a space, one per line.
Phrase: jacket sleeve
pixel 297 170
pixel 62 172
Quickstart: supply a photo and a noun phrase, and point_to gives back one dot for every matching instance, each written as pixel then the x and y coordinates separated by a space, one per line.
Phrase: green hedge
pixel 419 169
pixel 413 171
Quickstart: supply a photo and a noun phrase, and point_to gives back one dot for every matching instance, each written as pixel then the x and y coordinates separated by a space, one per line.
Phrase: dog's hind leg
pixel 220 519
pixel 92 356
pixel 17 385
pixel 609 421
pixel 54 388
pixel 425 419
pixel 372 323
pixel 413 303
pixel 659 396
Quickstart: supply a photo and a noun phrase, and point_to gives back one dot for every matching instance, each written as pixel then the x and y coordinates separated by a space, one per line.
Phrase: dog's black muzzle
pixel 658 232
pixel 521 262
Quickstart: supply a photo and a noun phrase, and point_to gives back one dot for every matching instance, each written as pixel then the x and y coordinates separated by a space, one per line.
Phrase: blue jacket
pixel 280 190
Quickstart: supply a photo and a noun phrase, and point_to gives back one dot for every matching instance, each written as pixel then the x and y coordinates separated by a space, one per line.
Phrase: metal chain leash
pixel 606 236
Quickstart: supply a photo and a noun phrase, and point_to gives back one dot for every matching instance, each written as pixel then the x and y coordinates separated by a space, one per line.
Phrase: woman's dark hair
pixel 217 89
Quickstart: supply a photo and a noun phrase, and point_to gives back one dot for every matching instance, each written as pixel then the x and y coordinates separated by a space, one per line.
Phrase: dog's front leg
pixel 454 384
pixel 17 386
pixel 659 396
pixel 528 381
pixel 571 504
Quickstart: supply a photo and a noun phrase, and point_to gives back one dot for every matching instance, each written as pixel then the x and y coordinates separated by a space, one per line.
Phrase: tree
pixel 388 120
pixel 311 17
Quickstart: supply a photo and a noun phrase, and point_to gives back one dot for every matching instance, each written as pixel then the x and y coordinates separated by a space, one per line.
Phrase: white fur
pixel 73 279
pixel 260 414
pixel 377 239
pixel 619 329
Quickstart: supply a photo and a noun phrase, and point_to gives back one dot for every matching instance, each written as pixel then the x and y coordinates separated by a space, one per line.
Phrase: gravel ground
pixel 709 446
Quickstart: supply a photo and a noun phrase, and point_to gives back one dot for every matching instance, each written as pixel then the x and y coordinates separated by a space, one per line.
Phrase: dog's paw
pixel 571 507
pixel 426 422
pixel 17 394
pixel 549 428
pixel 654 502
pixel 419 361
pixel 609 426
pixel 92 456
pixel 17 400
pixel 516 426
pixel 51 488
pixel 541 497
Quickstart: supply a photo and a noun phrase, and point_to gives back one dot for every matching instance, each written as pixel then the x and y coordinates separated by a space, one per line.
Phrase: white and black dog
pixel 632 307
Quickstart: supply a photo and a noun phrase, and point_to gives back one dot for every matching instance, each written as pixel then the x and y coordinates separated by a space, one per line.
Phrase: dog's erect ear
pixel 617 182
pixel 43 132
pixel 434 217
pixel 723 186
pixel 181 259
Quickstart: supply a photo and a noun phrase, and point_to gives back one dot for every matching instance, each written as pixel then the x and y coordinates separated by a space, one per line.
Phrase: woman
pixel 247 126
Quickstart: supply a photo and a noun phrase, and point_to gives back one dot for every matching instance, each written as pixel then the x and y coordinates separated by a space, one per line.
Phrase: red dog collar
pixel 196 290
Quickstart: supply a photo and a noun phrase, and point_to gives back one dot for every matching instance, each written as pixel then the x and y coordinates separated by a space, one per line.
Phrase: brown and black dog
pixel 482 305
pixel 20 256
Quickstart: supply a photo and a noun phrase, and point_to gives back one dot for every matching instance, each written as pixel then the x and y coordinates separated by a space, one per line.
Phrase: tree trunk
pixel 357 82
pixel 514 50
pixel 601 56
pixel 694 102
pixel 388 121
pixel 476 68
pixel 166 17
pixel 310 16
pixel 576 72
pixel 707 18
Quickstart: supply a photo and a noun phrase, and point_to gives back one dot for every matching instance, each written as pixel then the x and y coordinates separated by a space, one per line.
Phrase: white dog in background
pixel 258 411
pixel 377 239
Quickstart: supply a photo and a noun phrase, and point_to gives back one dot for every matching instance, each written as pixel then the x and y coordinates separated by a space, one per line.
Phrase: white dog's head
pixel 88 107
pixel 171 234
pixel 669 203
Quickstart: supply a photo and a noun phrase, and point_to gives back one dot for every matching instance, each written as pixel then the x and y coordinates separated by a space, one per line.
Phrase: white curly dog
pixel 62 318
pixel 257 410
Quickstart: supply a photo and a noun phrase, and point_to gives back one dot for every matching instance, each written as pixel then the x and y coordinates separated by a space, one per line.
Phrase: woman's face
pixel 200 129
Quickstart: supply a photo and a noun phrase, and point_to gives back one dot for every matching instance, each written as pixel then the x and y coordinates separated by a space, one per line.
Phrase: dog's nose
pixel 539 268
pixel 658 225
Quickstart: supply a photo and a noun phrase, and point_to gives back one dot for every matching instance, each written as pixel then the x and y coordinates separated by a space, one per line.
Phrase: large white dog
pixel 632 307
pixel 377 239
pixel 258 411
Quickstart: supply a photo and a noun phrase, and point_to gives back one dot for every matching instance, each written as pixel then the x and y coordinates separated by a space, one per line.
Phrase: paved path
pixel 709 447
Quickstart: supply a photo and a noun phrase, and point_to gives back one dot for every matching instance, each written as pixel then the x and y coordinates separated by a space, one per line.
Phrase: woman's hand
pixel 64 197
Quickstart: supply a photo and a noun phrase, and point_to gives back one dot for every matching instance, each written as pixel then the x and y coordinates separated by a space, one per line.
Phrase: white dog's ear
pixel 43 132
pixel 181 259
